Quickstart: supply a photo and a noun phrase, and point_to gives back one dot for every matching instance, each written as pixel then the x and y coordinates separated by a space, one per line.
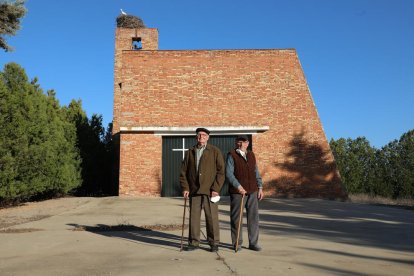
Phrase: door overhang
pixel 184 131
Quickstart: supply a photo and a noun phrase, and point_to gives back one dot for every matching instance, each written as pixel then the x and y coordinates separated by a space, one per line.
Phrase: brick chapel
pixel 162 96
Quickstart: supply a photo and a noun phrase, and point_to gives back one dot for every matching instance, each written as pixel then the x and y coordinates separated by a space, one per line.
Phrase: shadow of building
pixel 309 171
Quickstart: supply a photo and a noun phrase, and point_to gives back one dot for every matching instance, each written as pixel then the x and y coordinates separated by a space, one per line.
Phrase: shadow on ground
pixel 342 222
pixel 133 233
pixel 144 234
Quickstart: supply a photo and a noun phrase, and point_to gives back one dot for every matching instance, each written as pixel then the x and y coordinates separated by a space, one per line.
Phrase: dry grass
pixel 7 221
pixel 18 230
pixel 378 200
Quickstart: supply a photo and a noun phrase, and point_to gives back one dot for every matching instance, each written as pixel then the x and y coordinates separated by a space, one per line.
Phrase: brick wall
pixel 140 169
pixel 224 88
pixel 123 41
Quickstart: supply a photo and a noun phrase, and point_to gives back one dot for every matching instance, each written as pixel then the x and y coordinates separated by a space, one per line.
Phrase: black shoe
pixel 255 248
pixel 191 247
pixel 213 248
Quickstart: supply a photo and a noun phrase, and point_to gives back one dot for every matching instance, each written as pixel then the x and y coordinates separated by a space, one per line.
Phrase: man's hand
pixel 242 190
pixel 213 193
pixel 186 194
pixel 260 194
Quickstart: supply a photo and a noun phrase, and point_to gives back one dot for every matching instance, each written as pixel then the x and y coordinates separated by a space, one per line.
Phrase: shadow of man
pixel 135 234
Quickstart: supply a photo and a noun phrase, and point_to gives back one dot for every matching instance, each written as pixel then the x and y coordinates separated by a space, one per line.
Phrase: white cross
pixel 183 149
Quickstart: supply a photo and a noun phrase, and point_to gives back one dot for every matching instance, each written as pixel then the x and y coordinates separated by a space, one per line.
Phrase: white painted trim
pixel 180 131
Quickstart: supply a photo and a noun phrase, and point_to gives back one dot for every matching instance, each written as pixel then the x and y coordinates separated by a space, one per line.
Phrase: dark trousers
pixel 251 203
pixel 197 203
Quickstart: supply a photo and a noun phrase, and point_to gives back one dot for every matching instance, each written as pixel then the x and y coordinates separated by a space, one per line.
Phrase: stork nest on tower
pixel 129 21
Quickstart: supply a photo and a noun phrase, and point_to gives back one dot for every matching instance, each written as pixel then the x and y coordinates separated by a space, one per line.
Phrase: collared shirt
pixel 199 153
pixel 242 153
pixel 230 173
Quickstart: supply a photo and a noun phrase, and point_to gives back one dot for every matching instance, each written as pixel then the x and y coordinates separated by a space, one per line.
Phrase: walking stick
pixel 240 223
pixel 182 232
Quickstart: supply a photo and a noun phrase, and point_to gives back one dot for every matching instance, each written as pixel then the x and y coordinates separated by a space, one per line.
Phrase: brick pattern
pixel 140 170
pixel 123 41
pixel 224 88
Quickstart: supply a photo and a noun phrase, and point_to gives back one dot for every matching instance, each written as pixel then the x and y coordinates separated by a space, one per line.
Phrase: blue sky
pixel 357 55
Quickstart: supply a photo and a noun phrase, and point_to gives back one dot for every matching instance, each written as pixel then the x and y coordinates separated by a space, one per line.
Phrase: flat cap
pixel 242 138
pixel 203 130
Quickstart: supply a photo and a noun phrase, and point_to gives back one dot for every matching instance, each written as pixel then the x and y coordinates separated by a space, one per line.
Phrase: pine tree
pixel 90 135
pixel 10 15
pixel 355 160
pixel 405 165
pixel 13 136
pixel 38 153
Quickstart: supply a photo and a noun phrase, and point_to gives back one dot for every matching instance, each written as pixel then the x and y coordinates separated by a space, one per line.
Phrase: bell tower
pixel 131 35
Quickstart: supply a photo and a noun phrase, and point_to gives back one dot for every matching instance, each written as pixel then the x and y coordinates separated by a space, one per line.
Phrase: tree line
pixel 386 172
pixel 46 149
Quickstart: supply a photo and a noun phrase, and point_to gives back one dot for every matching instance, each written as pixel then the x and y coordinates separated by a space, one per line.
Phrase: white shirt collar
pixel 242 153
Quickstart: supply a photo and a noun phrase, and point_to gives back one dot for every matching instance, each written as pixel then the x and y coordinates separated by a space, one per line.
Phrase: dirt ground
pixel 33 211
pixel 123 236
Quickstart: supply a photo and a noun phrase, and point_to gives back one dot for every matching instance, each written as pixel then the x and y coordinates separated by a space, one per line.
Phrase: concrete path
pixel 105 236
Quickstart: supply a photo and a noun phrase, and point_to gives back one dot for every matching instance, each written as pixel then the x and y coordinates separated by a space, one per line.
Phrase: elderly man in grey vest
pixel 244 179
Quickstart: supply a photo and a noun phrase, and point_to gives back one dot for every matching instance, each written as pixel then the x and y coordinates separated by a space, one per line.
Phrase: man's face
pixel 242 145
pixel 202 138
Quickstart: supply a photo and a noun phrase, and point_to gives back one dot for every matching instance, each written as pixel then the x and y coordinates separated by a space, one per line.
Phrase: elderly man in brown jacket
pixel 201 178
